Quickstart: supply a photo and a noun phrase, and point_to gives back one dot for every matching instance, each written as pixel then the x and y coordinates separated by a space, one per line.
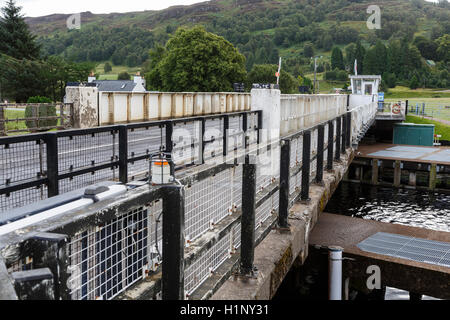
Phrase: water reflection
pixel 415 208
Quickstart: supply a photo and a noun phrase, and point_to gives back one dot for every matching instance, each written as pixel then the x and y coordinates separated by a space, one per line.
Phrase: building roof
pixel 364 77
pixel 115 85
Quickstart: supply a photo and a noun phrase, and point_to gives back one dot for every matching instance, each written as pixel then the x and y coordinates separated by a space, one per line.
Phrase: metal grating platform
pixel 420 250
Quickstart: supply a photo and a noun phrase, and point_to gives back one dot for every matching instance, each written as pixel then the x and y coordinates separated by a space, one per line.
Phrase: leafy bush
pixel 41 111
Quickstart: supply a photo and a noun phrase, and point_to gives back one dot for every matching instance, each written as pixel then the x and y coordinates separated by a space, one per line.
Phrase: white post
pixel 335 273
pixel 269 101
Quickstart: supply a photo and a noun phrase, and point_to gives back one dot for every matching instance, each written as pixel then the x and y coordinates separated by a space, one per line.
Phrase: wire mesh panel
pixel 314 141
pixel 235 133
pixel 252 133
pixel 186 138
pixel 237 187
pixel 155 242
pixel 87 179
pixel 144 142
pixel 107 259
pixel 209 261
pixel 236 235
pixel 88 150
pixel 313 169
pixel 208 202
pixel 21 198
pixel 263 179
pixel 22 161
pixel 214 131
pixel 263 212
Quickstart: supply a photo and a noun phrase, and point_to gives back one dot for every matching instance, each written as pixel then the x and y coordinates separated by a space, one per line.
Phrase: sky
pixel 36 8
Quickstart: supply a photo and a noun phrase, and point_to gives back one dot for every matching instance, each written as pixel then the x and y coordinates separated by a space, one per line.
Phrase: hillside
pixel 261 29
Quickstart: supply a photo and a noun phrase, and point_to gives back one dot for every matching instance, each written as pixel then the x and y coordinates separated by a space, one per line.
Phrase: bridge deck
pixel 348 232
pixel 439 155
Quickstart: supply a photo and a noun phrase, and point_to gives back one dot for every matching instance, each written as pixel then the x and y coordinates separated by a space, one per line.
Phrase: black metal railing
pixel 95 256
pixel 39 166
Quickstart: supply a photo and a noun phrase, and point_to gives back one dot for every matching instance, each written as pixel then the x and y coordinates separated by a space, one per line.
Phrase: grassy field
pixel 112 75
pixel 405 93
pixel 20 124
pixel 440 128
pixel 435 101
pixel 15 114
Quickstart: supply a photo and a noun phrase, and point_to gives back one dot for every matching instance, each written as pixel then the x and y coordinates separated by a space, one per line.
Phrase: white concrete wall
pixel 85 106
pixel 123 107
pixel 301 111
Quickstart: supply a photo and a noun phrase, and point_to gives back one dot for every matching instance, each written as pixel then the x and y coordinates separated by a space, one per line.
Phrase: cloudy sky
pixel 35 8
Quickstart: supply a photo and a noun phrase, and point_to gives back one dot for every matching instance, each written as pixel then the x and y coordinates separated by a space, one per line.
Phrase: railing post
pixel 226 129
pixel 123 154
pixel 306 166
pixel 2 122
pixel 202 141
pixel 343 134
pixel 173 243
pixel 338 139
pixel 284 183
pixel 245 127
pixel 169 134
pixel 330 145
pixel 52 164
pixel 260 125
pixel 349 129
pixel 320 150
pixel 248 216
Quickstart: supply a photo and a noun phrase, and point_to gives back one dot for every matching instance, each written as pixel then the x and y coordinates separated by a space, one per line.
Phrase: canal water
pixel 415 208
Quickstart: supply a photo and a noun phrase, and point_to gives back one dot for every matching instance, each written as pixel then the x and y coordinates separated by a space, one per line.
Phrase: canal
pixel 410 207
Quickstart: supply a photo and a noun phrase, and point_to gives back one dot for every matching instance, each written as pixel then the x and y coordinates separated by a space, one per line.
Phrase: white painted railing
pixel 362 116
pixel 299 111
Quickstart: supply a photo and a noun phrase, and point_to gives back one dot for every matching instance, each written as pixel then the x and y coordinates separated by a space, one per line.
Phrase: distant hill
pixel 261 29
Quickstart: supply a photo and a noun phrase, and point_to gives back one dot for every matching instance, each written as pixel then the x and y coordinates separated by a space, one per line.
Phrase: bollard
pixel 335 273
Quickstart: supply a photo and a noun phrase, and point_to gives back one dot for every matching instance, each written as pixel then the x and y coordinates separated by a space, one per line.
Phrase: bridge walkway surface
pixel 411 275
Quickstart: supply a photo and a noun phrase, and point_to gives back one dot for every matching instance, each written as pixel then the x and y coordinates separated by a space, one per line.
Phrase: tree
pixel 197 60
pixel 414 83
pixel 360 53
pixel 308 50
pixel 265 73
pixel 107 68
pixel 337 59
pixel 443 49
pixel 16 39
pixel 124 76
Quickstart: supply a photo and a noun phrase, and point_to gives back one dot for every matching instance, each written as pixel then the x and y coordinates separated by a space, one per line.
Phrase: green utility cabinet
pixel 414 134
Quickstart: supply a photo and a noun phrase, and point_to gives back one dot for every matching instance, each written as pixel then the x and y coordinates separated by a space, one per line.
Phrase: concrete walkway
pixel 347 232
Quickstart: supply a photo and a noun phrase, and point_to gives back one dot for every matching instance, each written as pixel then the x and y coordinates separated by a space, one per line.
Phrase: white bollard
pixel 335 273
